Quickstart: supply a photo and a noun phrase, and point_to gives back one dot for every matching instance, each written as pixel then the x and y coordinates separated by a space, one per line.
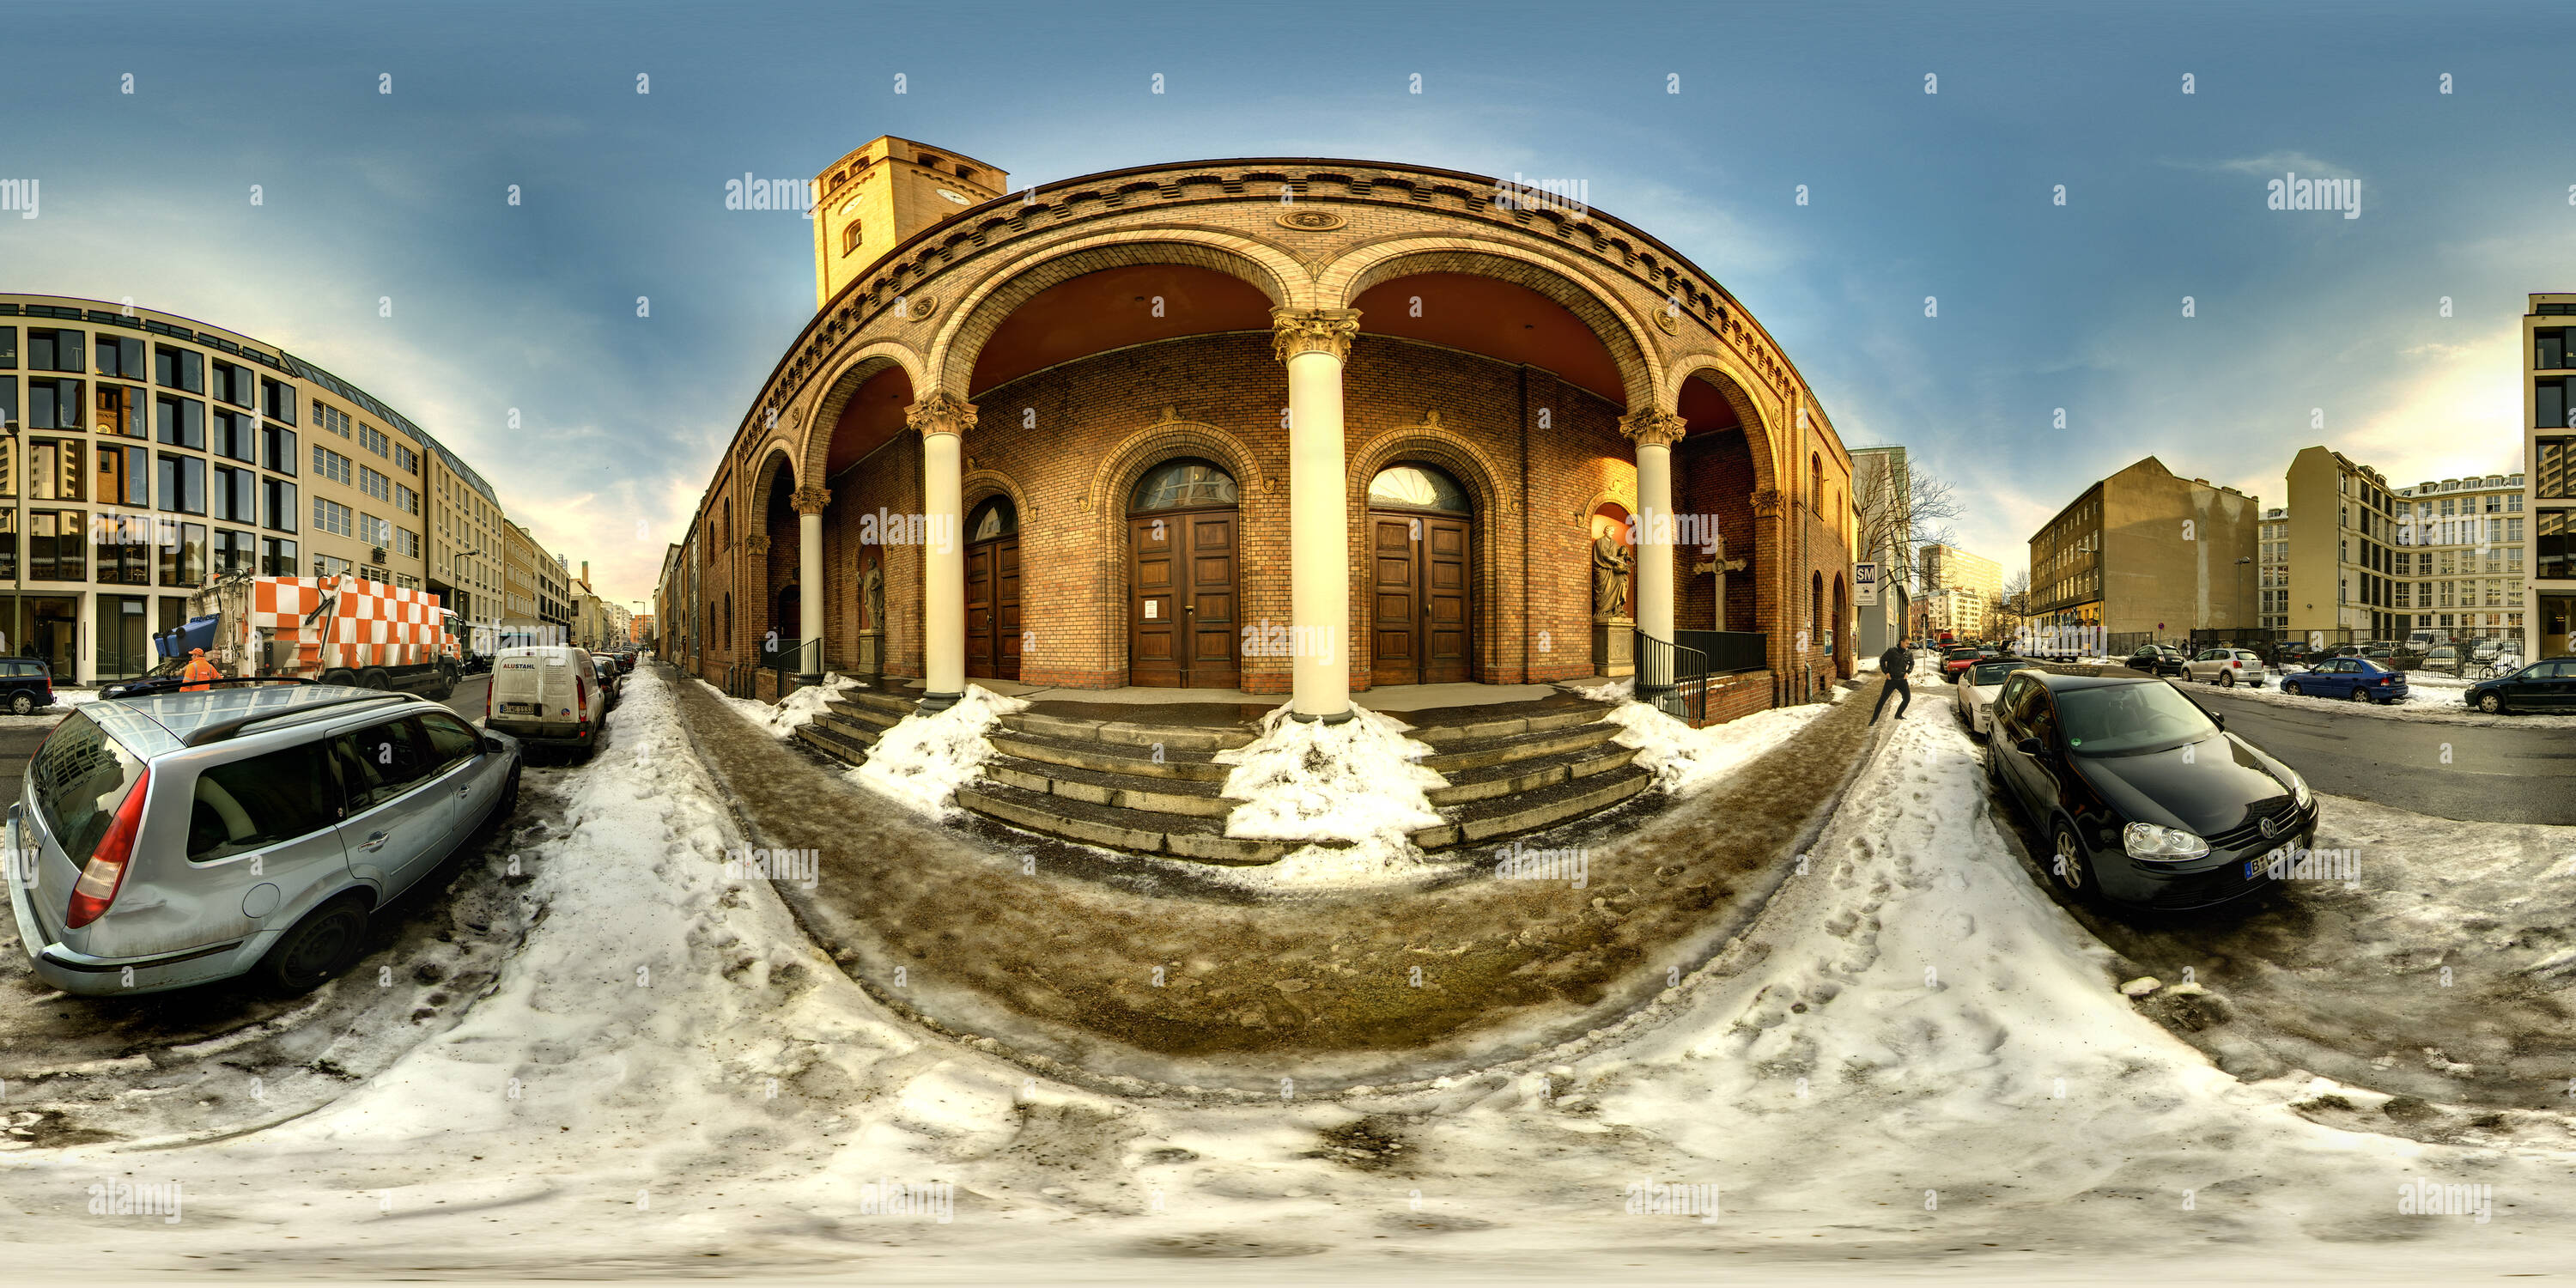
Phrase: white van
pixel 547 695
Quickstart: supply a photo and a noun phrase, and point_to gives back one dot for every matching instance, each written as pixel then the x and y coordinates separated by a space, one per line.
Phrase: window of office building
pixel 277 400
pixel 124 549
pixel 183 554
pixel 54 469
pixel 375 531
pixel 233 495
pixel 277 501
pixel 406 500
pixel 374 484
pixel 121 356
pixel 407 543
pixel 331 517
pixel 233 384
pixel 180 422
pixel 328 417
pixel 277 558
pixel 331 566
pixel 406 460
pixel 330 464
pixel 374 440
pixel 54 404
pixel 52 350
pixel 122 476
pixel 120 410
pixel 277 448
pixel 235 435
pixel 183 484
pixel 228 551
pixel 174 368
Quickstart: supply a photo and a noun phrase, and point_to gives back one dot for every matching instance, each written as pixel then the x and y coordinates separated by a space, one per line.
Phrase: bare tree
pixel 1923 519
pixel 2011 607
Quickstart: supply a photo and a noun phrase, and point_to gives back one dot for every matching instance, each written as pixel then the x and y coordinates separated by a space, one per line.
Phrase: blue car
pixel 2356 678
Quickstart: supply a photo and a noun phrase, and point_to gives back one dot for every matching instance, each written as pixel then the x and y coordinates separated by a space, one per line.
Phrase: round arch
pixel 1493 528
pixel 763 478
pixel 862 365
pixel 1598 307
pixel 1104 509
pixel 1761 430
pixel 970 323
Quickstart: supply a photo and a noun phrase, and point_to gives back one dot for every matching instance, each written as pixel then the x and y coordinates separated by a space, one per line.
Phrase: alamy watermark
pixel 2290 192
pixel 886 528
pixel 2296 863
pixel 889 1197
pixel 1670 1198
pixel 1518 862
pixel 19 195
pixel 1574 196
pixel 130 1198
pixel 1266 638
pixel 799 196
pixel 802 868
pixel 2429 1198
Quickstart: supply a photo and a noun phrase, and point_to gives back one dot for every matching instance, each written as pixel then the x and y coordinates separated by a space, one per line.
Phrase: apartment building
pixel 2147 552
pixel 2462 545
pixel 2549 464
pixel 2343 549
pixel 2272 557
pixel 520 557
pixel 142 453
pixel 1882 492
pixel 1976 580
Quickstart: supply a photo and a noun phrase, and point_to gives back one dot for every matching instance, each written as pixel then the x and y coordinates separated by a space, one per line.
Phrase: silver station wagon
pixel 250 829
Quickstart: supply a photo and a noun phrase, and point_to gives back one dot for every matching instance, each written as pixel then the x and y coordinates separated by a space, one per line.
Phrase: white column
pixel 1313 343
pixel 1654 432
pixel 942 420
pixel 810 502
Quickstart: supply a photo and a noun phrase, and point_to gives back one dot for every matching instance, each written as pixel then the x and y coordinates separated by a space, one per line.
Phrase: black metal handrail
pixel 1663 667
pixel 1729 652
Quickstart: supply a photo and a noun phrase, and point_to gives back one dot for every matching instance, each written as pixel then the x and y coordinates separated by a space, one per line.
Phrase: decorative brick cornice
pixel 940 413
pixel 1648 427
pixel 1767 502
pixel 811 500
pixel 1301 331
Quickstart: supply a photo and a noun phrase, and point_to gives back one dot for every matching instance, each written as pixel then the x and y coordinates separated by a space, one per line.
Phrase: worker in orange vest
pixel 199 671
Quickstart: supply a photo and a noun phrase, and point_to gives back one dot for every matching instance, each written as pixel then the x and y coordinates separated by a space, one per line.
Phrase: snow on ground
pixel 1685 760
pixel 927 756
pixel 1619 690
pixel 1912 1061
pixel 1359 783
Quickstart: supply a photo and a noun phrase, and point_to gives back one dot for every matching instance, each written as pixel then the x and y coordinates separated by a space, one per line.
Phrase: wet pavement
pixel 2493 773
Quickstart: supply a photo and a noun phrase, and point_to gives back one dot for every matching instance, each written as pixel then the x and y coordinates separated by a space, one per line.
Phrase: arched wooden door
pixel 1184 544
pixel 993 591
pixel 1421 538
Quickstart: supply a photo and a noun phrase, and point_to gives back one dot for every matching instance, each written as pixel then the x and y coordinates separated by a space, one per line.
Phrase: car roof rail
pixel 223 729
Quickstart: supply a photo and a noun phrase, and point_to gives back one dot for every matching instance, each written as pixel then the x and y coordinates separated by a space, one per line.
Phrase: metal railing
pixel 1729 652
pixel 1663 668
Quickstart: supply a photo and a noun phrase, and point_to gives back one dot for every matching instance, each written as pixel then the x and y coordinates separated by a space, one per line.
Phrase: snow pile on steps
pixel 927 756
pixel 1619 690
pixel 1359 781
pixel 783 719
pixel 1686 760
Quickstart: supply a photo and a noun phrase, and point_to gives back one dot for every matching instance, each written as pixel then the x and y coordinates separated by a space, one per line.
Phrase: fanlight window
pixel 994 518
pixel 1418 487
pixel 1183 485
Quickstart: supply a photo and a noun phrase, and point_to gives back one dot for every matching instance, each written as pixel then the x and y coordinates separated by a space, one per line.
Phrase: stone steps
pixel 849 725
pixel 1153 789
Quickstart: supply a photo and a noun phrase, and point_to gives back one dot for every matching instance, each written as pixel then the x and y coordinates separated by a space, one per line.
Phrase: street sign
pixel 1865 579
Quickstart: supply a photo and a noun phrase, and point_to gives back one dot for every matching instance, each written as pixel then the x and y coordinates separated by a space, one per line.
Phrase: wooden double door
pixel 1421 619
pixel 1184 599
pixel 993 609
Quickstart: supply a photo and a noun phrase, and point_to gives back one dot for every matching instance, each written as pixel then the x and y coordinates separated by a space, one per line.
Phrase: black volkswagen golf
pixel 2145 798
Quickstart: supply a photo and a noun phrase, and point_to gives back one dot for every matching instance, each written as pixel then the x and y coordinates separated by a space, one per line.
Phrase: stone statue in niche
pixel 872 599
pixel 1610 564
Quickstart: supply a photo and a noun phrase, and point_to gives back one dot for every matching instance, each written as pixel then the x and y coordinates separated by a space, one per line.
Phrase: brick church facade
pixel 1062 436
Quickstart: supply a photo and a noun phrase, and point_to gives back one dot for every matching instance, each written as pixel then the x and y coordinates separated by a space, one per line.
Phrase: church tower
pixel 880 195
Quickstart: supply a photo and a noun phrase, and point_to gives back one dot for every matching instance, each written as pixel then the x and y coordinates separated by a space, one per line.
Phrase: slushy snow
pixel 1360 783
pixel 1686 760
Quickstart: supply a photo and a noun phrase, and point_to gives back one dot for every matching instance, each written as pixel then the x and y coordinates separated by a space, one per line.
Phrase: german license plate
pixel 2254 867
pixel 518 708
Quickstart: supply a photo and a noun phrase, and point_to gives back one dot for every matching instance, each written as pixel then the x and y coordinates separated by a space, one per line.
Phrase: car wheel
pixel 2491 703
pixel 2290 687
pixel 2068 867
pixel 322 945
pixel 2227 679
pixel 21 703
pixel 2360 694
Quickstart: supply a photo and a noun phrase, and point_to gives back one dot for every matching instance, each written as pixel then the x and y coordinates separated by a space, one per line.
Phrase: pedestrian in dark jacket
pixel 1894 663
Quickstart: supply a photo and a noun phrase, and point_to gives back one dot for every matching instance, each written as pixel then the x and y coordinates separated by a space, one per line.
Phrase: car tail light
pixel 105 873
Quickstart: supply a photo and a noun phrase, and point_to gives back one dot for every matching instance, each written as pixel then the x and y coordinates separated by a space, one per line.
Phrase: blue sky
pixel 2465 195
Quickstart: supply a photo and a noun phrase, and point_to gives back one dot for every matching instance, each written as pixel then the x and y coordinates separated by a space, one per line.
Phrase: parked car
pixel 2546 685
pixel 547 695
pixel 181 838
pixel 2226 667
pixel 2485 650
pixel 2357 678
pixel 612 677
pixel 2156 659
pixel 2442 657
pixel 2292 653
pixel 1956 658
pixel 2146 799
pixel 25 684
pixel 1977 687
pixel 2377 650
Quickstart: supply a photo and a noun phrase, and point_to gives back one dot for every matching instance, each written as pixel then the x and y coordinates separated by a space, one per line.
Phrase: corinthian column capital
pixel 940 413
pixel 1301 331
pixel 1652 428
pixel 811 500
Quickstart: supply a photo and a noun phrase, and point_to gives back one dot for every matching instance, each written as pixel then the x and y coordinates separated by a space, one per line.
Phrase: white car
pixel 2226 667
pixel 1977 687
